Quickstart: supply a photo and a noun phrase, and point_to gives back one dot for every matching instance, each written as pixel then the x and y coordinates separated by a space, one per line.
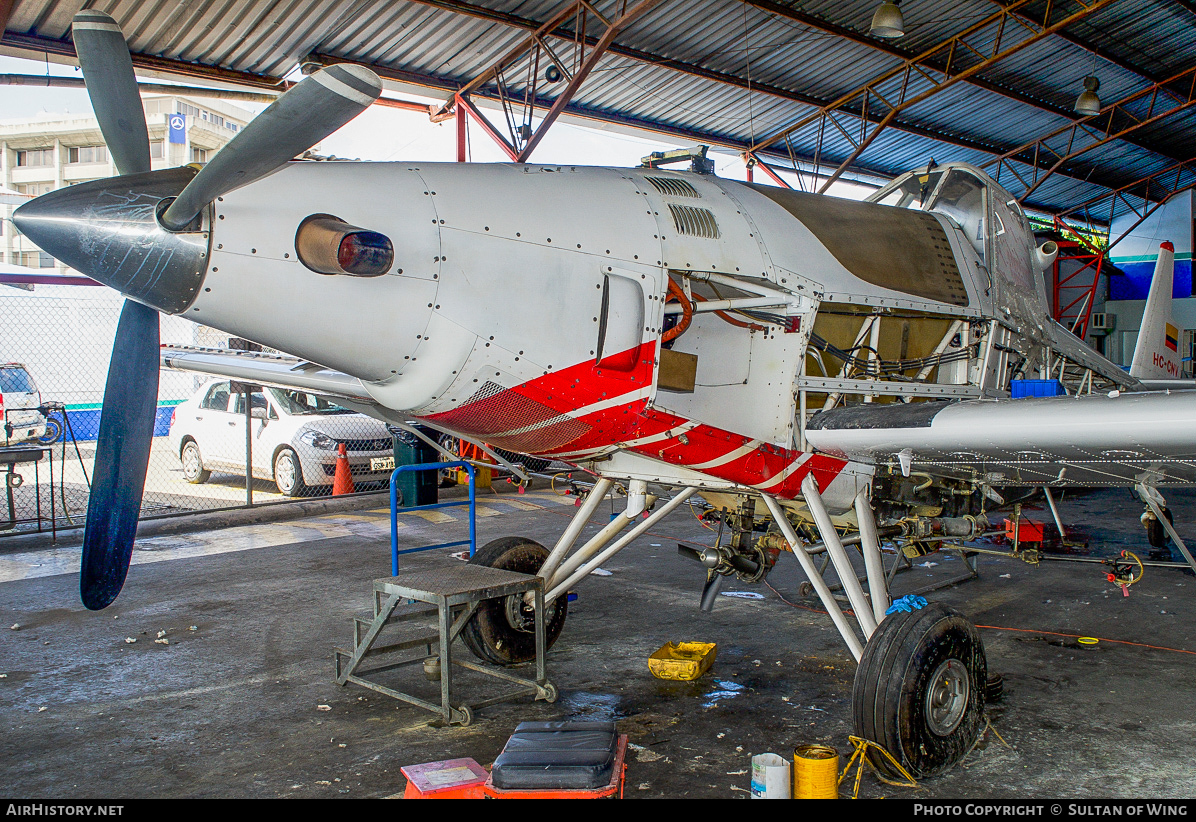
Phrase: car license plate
pixel 382 463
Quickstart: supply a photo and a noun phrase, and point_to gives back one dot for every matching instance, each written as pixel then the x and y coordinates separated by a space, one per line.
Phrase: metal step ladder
pixel 448 597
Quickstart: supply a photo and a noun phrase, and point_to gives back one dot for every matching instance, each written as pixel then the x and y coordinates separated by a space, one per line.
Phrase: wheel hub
pixel 521 615
pixel 286 472
pixel 947 697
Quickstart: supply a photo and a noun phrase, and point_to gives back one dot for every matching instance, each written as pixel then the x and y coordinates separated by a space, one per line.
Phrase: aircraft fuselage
pixel 527 306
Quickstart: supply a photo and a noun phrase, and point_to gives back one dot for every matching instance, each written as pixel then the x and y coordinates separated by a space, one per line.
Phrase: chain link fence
pixel 55 343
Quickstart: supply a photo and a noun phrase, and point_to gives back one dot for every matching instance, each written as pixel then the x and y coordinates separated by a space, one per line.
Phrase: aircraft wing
pixel 1113 439
pixel 278 370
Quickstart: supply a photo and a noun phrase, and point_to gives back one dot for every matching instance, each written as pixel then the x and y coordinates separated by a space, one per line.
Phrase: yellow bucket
pixel 815 772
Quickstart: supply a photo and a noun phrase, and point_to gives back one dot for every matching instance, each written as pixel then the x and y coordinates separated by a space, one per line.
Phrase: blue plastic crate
pixel 1036 388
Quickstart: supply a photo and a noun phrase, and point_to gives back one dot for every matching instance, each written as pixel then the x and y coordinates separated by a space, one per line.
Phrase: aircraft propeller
pixel 299 119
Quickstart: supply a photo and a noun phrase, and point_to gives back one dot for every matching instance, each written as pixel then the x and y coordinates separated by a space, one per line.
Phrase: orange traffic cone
pixel 342 480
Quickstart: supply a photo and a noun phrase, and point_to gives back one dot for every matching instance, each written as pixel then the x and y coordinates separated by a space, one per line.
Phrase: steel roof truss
pixel 533 53
pixel 1155 190
pixel 562 33
pixel 1115 121
pixel 888 47
pixel 988 41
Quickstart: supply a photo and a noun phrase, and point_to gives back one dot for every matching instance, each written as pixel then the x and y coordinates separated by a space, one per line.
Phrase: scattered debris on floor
pixel 645 754
pixel 724 689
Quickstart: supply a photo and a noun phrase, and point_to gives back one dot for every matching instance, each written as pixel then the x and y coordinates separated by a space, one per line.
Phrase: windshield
pixel 953 192
pixel 304 402
pixel 911 192
pixel 16 380
pixel 961 197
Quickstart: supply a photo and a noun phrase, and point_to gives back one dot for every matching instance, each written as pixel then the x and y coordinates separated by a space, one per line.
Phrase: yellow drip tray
pixel 682 660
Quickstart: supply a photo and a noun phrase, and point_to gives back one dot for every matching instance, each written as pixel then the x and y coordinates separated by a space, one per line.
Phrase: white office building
pixel 47 152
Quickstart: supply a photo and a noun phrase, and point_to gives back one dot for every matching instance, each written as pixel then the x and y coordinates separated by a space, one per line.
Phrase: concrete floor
pixel 230 706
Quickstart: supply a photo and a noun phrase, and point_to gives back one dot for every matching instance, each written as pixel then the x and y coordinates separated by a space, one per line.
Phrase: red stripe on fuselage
pixel 705 443
pixel 548 405
pixel 572 389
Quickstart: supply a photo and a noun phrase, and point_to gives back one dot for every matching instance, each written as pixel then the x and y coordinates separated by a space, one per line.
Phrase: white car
pixel 19 402
pixel 295 438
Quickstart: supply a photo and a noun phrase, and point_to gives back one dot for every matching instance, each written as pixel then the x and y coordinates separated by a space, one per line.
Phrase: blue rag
pixel 907 604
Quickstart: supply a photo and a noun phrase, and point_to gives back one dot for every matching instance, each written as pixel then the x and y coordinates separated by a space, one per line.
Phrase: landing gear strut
pixel 920 688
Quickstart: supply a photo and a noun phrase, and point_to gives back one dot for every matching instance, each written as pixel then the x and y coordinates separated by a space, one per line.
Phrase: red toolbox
pixel 1024 531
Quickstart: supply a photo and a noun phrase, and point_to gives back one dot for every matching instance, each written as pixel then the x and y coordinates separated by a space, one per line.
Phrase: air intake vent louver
pixel 696 222
pixel 673 187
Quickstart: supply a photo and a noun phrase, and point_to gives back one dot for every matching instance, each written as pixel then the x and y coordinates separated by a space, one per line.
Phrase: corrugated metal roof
pixel 686 66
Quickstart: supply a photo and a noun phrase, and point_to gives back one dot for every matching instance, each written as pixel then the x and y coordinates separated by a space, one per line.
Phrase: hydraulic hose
pixel 687 315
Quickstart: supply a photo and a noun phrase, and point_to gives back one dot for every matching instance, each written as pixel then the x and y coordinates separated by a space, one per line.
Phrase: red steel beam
pixel 467 104
pixel 767 169
pixel 461 124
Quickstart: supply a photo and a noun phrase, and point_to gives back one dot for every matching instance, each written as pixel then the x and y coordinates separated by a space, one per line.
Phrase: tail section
pixel 1156 356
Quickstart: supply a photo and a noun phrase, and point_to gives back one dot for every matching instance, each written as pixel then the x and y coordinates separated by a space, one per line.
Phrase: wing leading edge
pixel 1115 439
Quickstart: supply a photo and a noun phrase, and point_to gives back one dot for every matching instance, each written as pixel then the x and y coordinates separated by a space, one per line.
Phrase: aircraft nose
pixel 108 229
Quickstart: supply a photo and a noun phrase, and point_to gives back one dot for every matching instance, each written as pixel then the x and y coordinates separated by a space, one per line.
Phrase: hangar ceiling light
pixel 887 21
pixel 1088 103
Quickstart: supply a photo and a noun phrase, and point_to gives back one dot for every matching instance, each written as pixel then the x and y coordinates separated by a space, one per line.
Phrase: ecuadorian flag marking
pixel 1172 338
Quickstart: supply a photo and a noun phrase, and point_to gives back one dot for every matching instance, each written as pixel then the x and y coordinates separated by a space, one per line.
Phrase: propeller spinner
pixel 136 251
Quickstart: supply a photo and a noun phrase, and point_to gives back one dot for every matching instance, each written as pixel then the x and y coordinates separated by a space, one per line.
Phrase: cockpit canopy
pixel 957 191
pixel 986 214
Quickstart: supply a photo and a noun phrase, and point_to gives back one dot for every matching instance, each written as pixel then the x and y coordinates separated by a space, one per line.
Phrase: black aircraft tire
pixel 892 690
pixel 490 634
pixel 1156 534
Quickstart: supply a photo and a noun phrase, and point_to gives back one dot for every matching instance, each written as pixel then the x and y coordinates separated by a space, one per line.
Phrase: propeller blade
pixel 122 455
pixel 710 591
pixel 295 122
pixel 131 392
pixel 112 87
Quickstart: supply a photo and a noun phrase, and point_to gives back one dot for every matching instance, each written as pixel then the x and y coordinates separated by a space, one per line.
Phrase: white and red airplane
pixel 811 362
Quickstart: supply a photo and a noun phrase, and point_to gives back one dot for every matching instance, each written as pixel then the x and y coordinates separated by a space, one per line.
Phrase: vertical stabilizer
pixel 1156 356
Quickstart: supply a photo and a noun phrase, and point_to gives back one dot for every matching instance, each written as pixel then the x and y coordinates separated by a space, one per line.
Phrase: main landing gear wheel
pixel 920 689
pixel 1156 534
pixel 502 631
